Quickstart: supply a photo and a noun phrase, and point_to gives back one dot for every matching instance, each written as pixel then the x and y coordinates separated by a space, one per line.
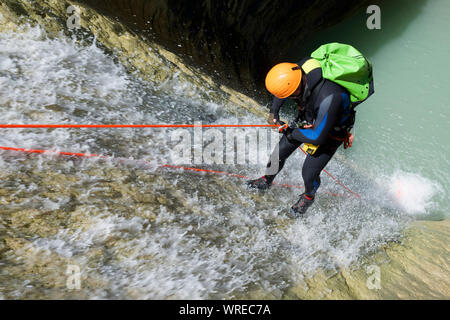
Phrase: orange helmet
pixel 283 79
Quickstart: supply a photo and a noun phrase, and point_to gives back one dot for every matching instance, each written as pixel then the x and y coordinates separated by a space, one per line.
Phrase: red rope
pixel 150 126
pixel 336 180
pixel 57 152
pixel 135 125
pixel 90 155
pixel 227 174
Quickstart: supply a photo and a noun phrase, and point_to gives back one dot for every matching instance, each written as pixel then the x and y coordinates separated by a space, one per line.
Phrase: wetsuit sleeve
pixel 326 118
pixel 276 106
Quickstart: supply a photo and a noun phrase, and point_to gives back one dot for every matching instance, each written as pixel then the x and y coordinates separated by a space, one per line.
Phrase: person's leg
pixel 278 157
pixel 312 167
pixel 314 164
pixel 276 162
pixel 311 172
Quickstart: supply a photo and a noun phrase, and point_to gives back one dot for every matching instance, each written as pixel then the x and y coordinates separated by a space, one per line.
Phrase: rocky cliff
pixel 238 41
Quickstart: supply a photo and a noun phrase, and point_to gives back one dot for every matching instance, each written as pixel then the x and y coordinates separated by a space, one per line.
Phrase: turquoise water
pixel 402 131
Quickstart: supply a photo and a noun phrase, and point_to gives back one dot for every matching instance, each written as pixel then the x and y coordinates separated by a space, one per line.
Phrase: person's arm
pixel 326 118
pixel 274 115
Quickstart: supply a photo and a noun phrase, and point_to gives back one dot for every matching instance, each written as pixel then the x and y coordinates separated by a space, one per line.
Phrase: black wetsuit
pixel 326 105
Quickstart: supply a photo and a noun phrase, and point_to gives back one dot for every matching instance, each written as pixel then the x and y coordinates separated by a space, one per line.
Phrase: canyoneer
pixel 327 86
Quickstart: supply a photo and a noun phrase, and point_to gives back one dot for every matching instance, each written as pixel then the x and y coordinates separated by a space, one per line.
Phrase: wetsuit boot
pixel 261 183
pixel 301 206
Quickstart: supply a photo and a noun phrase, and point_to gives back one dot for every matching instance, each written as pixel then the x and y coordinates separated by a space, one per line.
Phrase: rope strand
pixel 91 155
pixel 136 125
pixel 150 126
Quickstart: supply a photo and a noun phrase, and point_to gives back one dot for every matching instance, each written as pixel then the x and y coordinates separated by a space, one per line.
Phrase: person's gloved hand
pixel 272 119
pixel 348 141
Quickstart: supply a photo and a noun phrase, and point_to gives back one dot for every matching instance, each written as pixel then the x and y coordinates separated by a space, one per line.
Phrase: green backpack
pixel 343 64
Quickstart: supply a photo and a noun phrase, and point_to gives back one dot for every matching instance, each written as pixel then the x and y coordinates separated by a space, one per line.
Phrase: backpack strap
pixel 310 65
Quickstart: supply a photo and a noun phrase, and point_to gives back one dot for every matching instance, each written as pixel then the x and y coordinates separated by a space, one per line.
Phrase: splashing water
pixel 412 192
pixel 152 234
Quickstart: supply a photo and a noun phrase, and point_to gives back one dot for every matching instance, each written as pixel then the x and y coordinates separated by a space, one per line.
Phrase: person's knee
pixel 309 172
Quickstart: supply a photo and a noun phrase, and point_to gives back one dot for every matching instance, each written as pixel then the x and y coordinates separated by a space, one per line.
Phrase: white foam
pixel 412 192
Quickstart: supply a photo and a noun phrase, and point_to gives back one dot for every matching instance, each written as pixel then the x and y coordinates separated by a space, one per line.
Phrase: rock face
pixel 147 58
pixel 237 40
